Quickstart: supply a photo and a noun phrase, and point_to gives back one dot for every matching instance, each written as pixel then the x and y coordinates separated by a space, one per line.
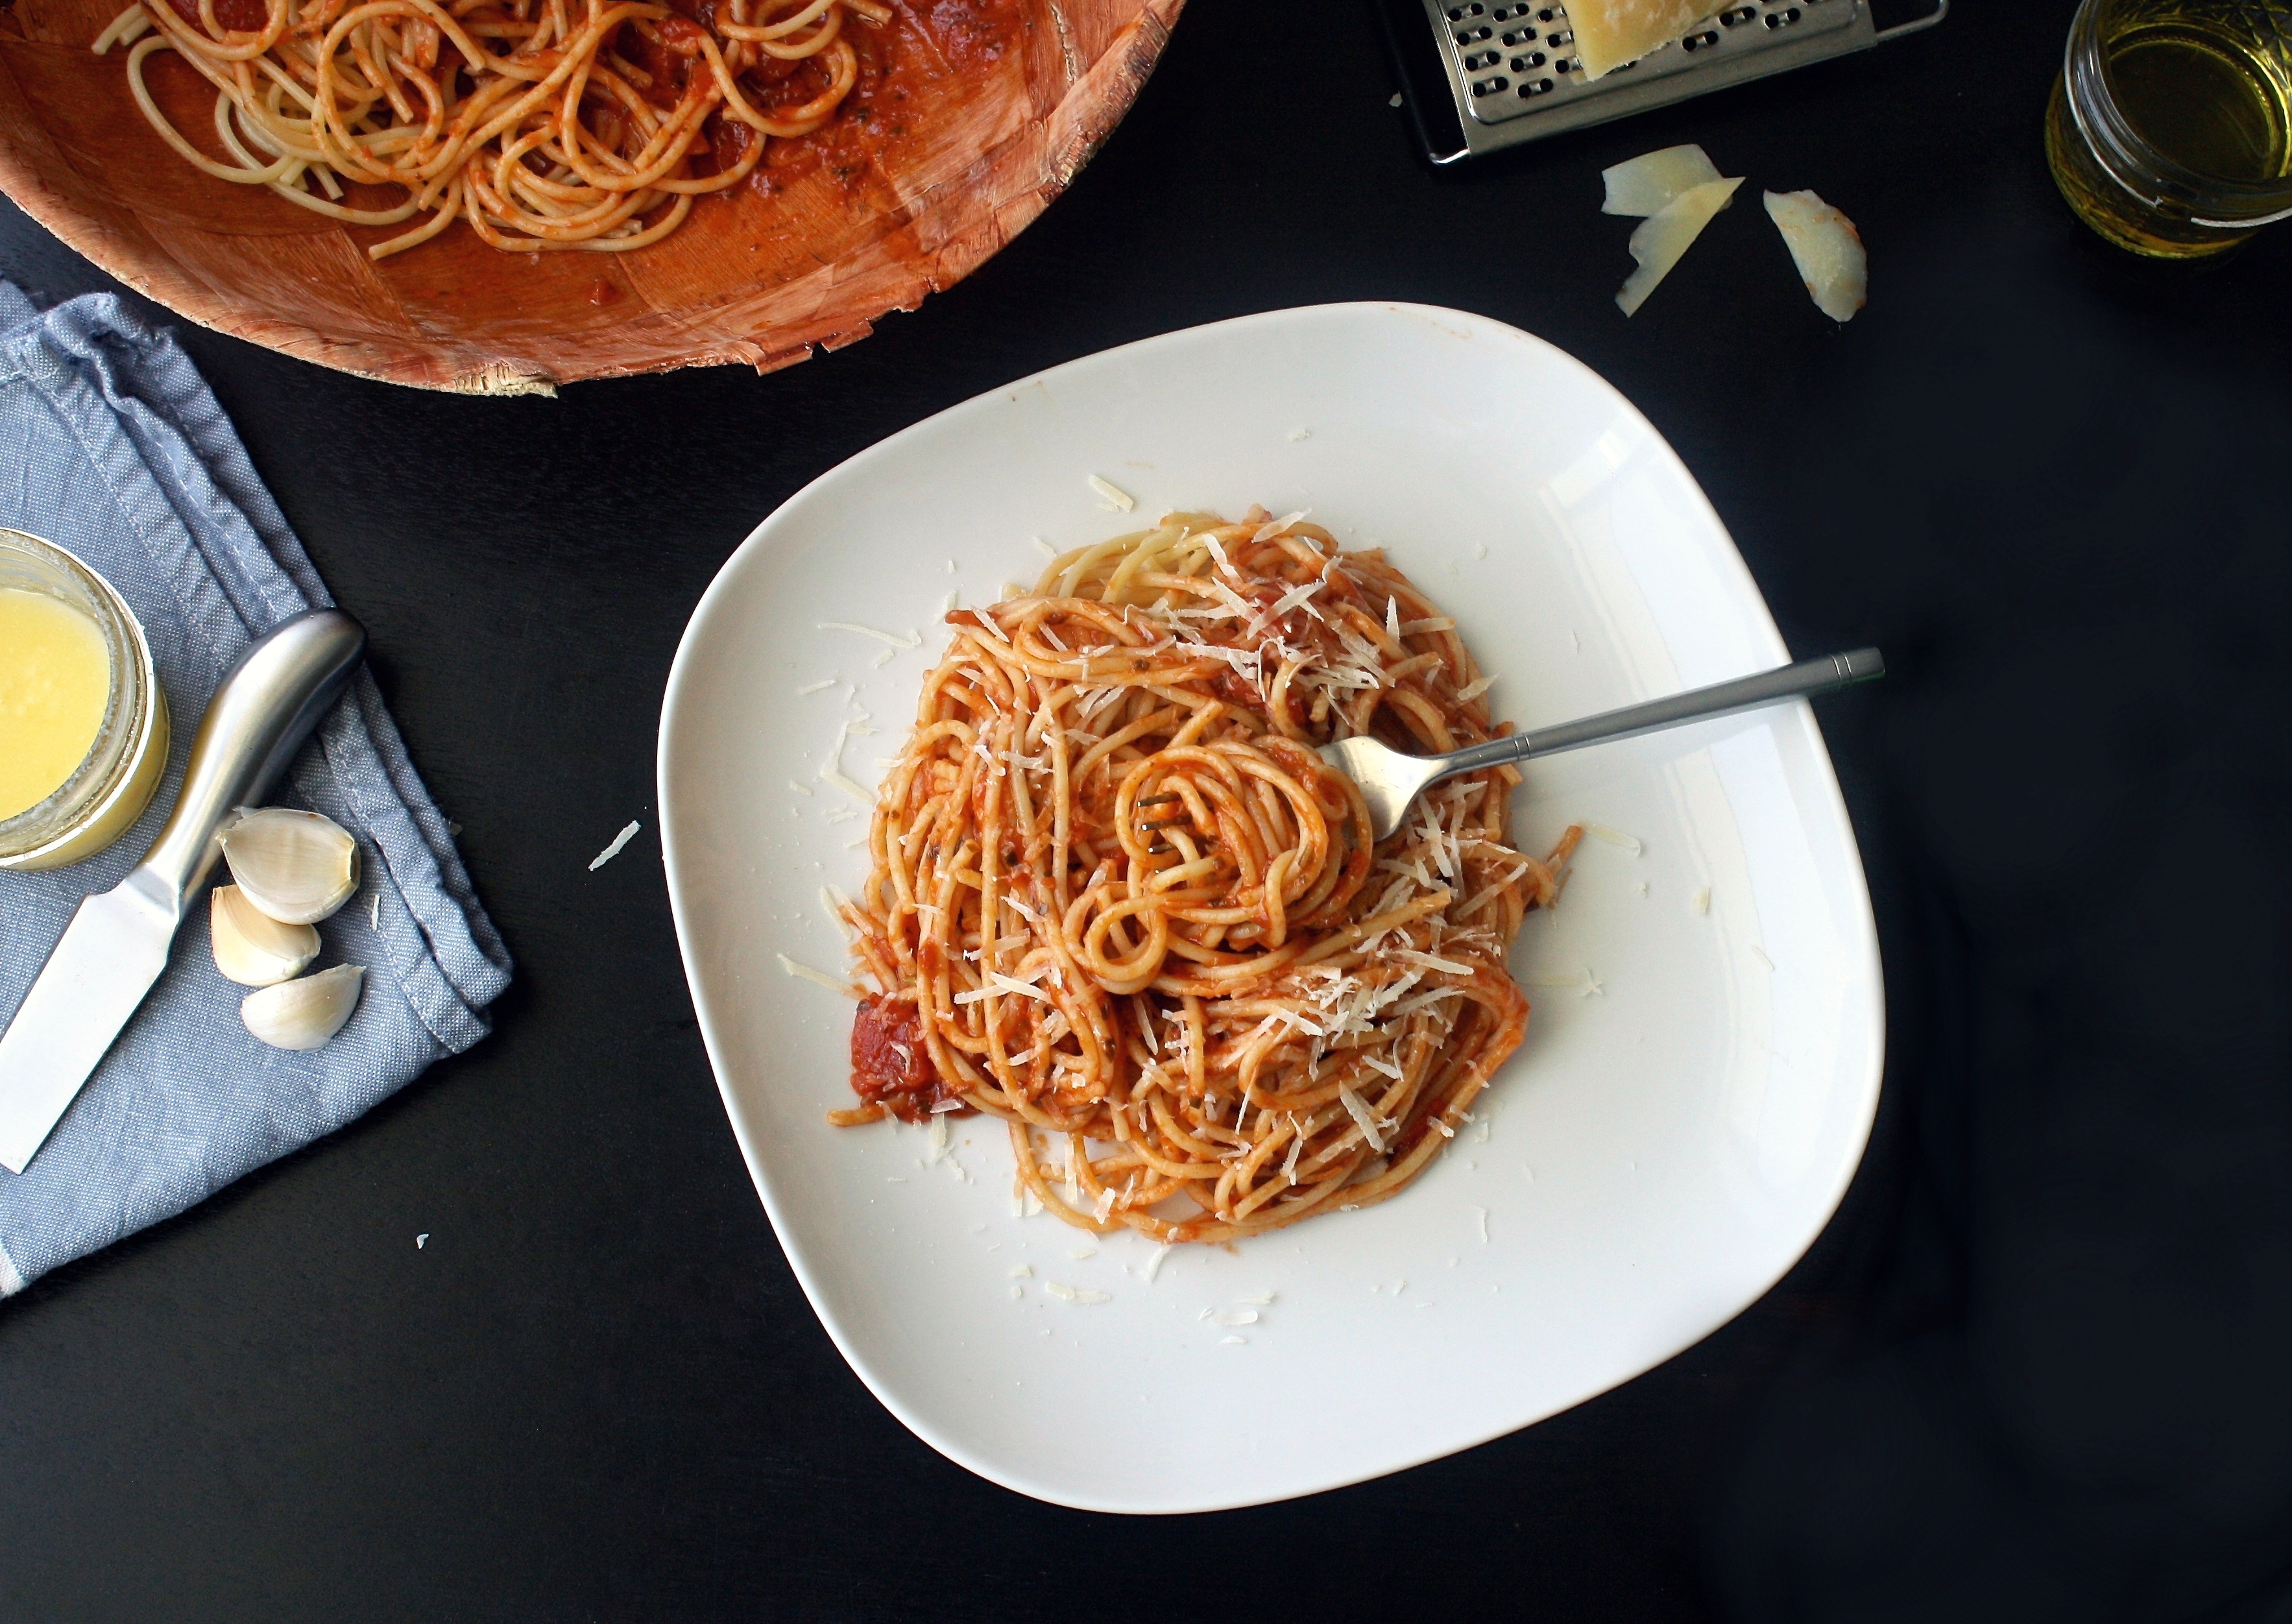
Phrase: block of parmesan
pixel 1610 33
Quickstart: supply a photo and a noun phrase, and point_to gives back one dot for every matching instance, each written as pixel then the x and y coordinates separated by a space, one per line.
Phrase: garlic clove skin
pixel 252 948
pixel 302 1014
pixel 297 867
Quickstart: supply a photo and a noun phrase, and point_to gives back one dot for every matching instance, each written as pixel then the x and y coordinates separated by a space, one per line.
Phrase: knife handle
pixel 262 710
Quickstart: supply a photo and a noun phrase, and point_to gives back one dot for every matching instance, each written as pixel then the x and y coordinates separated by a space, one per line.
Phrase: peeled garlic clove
pixel 295 866
pixel 303 1015
pixel 252 948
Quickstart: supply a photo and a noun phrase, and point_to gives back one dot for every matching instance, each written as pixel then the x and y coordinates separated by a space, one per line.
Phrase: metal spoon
pixel 1390 781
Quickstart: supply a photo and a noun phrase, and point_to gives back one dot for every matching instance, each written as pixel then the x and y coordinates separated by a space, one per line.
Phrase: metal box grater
pixel 1511 70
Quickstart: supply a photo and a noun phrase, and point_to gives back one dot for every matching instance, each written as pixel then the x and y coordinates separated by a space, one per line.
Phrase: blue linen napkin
pixel 112 445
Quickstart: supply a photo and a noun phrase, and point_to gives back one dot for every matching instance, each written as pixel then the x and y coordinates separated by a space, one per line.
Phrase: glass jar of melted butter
pixel 83 722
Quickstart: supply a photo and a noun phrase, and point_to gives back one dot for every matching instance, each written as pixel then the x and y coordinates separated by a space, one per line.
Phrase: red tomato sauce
pixel 890 1065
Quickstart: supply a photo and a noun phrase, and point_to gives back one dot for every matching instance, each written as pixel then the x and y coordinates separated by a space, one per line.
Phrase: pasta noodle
pixel 1117 900
pixel 546 124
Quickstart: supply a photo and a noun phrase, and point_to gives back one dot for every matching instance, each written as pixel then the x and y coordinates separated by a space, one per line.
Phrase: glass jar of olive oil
pixel 2170 127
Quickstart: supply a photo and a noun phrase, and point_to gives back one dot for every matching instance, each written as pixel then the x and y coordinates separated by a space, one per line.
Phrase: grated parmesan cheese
pixel 1361 1116
pixel 820 686
pixel 1113 493
pixel 913 640
pixel 1076 1295
pixel 627 834
pixel 1025 1271
pixel 1263 1300
pixel 1615 837
pixel 805 972
pixel 1247 1316
pixel 1154 1263
pixel 1480 1217
pixel 1701 901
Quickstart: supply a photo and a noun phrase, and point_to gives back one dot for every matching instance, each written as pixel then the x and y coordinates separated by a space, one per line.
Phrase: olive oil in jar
pixel 2170 129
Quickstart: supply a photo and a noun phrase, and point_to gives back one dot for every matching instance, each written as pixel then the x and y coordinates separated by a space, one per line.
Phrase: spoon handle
pixel 1808 676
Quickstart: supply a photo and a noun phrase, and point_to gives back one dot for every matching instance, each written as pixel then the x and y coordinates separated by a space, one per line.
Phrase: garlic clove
pixel 302 1014
pixel 252 948
pixel 295 866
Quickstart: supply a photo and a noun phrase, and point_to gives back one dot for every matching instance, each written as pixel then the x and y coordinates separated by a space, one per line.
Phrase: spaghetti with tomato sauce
pixel 544 124
pixel 1117 900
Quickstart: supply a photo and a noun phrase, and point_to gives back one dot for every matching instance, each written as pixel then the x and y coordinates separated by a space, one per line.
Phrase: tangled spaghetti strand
pixel 1117 900
pixel 546 124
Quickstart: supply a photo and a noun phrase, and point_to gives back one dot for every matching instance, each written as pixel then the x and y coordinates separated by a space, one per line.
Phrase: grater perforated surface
pixel 1511 64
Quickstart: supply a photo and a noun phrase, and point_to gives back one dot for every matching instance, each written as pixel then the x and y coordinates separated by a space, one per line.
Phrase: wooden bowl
pixel 985 111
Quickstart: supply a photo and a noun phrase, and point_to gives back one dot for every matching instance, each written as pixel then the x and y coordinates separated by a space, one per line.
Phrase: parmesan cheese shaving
pixel 805 972
pixel 1701 901
pixel 1615 837
pixel 1644 185
pixel 852 787
pixel 628 833
pixel 1154 1263
pixel 820 686
pixel 1826 249
pixel 1076 1295
pixel 1664 237
pixel 1113 493
pixel 913 640
pixel 1363 1118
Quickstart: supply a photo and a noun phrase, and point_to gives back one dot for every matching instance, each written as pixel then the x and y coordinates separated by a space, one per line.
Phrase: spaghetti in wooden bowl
pixel 948 126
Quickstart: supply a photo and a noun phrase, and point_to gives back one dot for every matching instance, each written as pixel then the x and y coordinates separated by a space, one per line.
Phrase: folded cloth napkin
pixel 111 445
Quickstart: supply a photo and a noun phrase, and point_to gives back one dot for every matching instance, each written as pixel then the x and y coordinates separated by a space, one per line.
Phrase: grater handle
pixel 1941 11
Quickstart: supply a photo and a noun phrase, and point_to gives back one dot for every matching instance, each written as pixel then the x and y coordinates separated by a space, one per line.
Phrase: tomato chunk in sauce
pixel 890 1065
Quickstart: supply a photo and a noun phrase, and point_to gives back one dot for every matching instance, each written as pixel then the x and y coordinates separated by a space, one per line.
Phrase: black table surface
pixel 2036 1367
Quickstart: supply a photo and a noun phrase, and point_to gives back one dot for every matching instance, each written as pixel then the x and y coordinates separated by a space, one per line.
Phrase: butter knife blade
pixel 116 943
pixel 109 955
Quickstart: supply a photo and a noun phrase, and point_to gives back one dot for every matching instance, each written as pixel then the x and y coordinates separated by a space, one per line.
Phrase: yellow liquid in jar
pixel 2209 86
pixel 55 683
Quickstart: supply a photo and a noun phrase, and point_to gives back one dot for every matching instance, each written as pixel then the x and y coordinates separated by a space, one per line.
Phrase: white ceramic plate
pixel 1688 1107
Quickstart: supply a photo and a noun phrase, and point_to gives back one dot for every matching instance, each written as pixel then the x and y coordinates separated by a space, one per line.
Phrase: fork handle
pixel 1808 676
